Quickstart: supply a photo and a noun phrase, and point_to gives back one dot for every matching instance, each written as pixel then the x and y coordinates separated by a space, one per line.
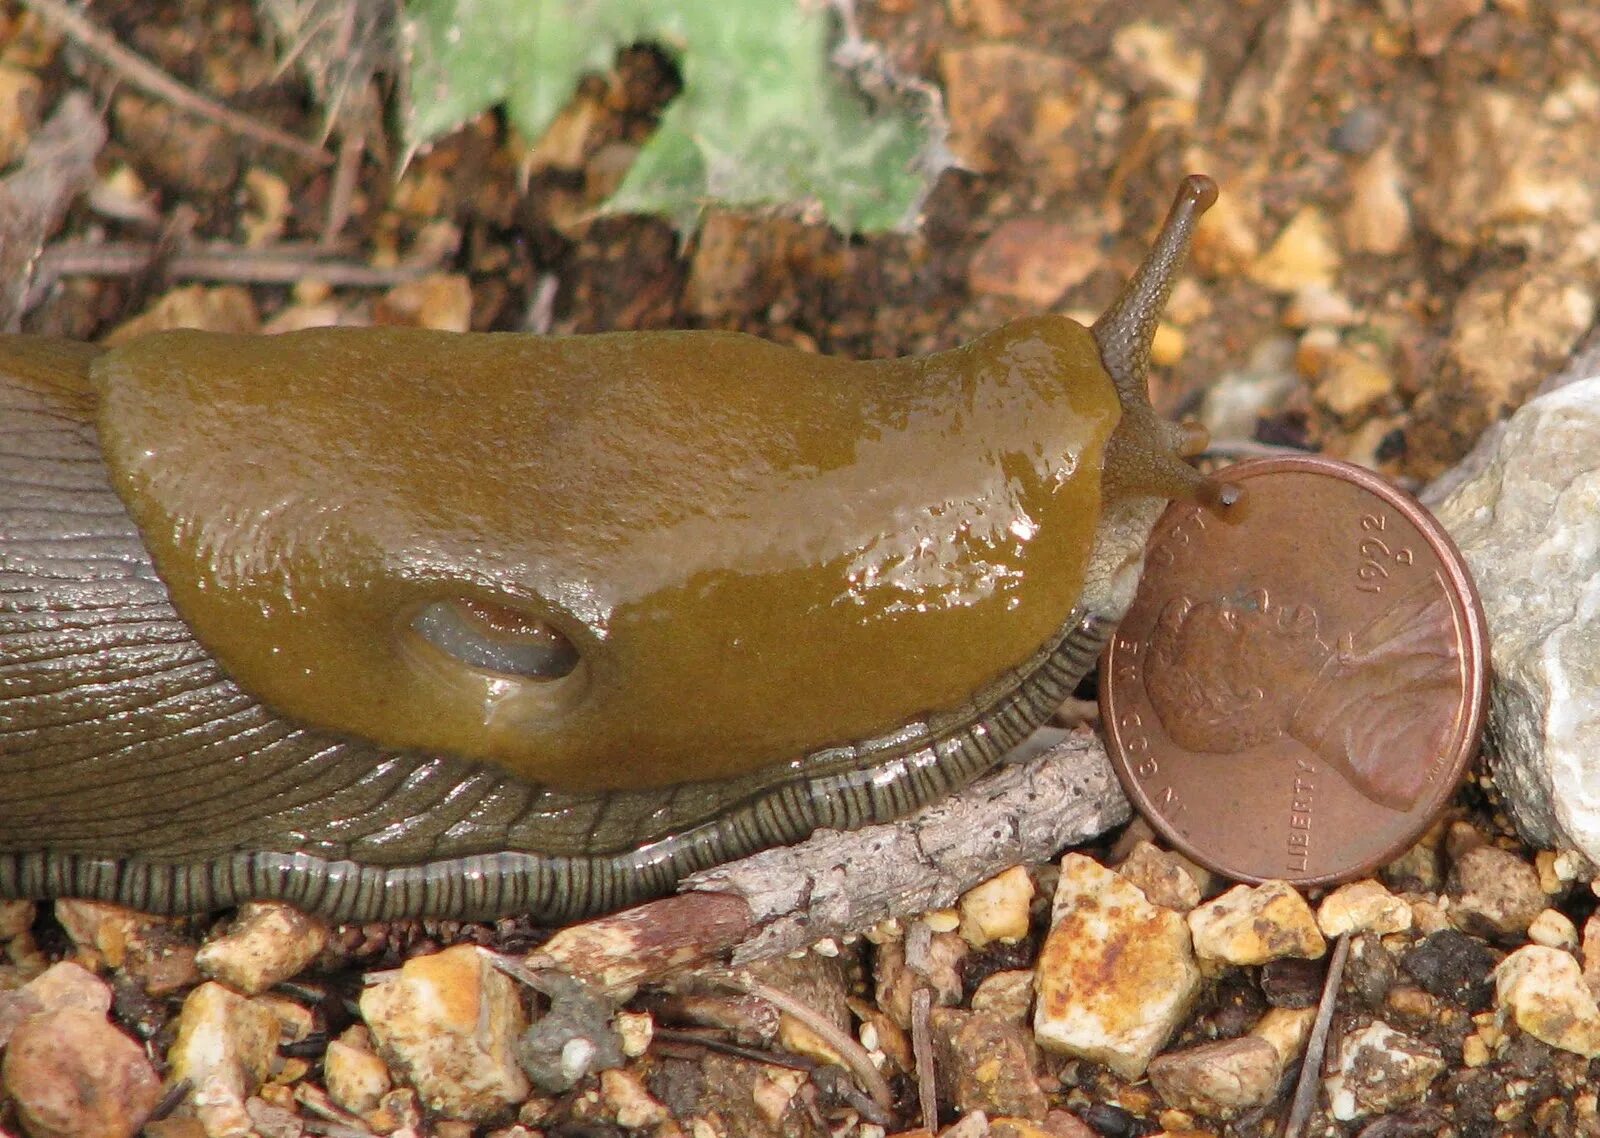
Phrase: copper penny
pixel 1300 683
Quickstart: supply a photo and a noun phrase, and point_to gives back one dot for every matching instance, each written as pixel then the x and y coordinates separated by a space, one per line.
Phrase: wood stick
pixel 145 75
pixel 836 884
pixel 274 265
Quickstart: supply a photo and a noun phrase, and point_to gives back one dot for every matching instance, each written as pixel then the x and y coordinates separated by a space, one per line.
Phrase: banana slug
pixel 392 622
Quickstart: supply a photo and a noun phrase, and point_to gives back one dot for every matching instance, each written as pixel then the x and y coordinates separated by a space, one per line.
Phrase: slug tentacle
pixel 1126 330
pixel 1144 454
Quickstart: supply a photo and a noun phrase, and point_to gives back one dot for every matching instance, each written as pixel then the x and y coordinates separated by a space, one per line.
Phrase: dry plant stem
pixel 689 1039
pixel 275 265
pixel 834 884
pixel 922 1052
pixel 352 146
pixel 56 166
pixel 1305 1090
pixel 170 1101
pixel 648 941
pixel 328 1129
pixel 150 78
pixel 854 1055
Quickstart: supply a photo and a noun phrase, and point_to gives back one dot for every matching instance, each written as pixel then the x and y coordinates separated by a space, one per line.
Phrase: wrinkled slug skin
pixel 211 549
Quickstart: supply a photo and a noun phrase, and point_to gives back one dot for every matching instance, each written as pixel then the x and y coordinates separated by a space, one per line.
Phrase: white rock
pixel 72 1074
pixel 1377 218
pixel 1380 1070
pixel 268 942
pixel 1158 55
pixel 16 918
pixel 1228 1077
pixel 1255 924
pixel 996 909
pixel 153 950
pixel 1590 953
pixel 1542 990
pixel 1235 400
pixel 273 1121
pixel 1362 906
pixel 636 1029
pixel 1554 929
pixel 1494 894
pixel 68 985
pixel 974 1125
pixel 1529 525
pixel 1305 254
pixel 448 1023
pixel 1007 994
pixel 225 1046
pixel 355 1077
pixel 1504 160
pixel 623 1096
pixel 1165 878
pixel 1116 975
pixel 1218 1080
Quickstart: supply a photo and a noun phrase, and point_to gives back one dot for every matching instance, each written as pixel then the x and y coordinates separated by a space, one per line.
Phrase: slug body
pixel 390 622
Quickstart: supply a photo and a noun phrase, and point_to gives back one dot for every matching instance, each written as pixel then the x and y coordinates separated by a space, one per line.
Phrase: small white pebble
pixel 997 909
pixel 1554 929
pixel 886 931
pixel 827 946
pixel 575 1056
pixel 1570 865
pixel 1541 990
pixel 1474 1051
pixel 1362 906
pixel 1254 924
pixel 636 1030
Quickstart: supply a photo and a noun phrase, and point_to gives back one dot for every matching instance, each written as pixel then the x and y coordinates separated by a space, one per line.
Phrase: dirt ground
pixel 1407 245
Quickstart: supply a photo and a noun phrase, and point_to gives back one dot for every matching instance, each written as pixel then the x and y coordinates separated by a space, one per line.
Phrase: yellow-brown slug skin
pixel 756 552
pixel 392 623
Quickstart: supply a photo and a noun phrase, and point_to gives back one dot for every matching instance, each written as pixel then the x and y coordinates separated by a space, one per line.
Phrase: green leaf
pixel 763 118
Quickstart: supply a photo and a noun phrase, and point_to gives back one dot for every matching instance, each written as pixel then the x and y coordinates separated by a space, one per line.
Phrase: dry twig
pixel 834 884
pixel 922 1051
pixel 854 1055
pixel 341 195
pixel 148 77
pixel 1305 1091
pixel 286 264
pixel 56 167
pixel 690 1040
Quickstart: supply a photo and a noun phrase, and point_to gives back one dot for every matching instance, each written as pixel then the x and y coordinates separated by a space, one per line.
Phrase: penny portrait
pixel 1300 683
